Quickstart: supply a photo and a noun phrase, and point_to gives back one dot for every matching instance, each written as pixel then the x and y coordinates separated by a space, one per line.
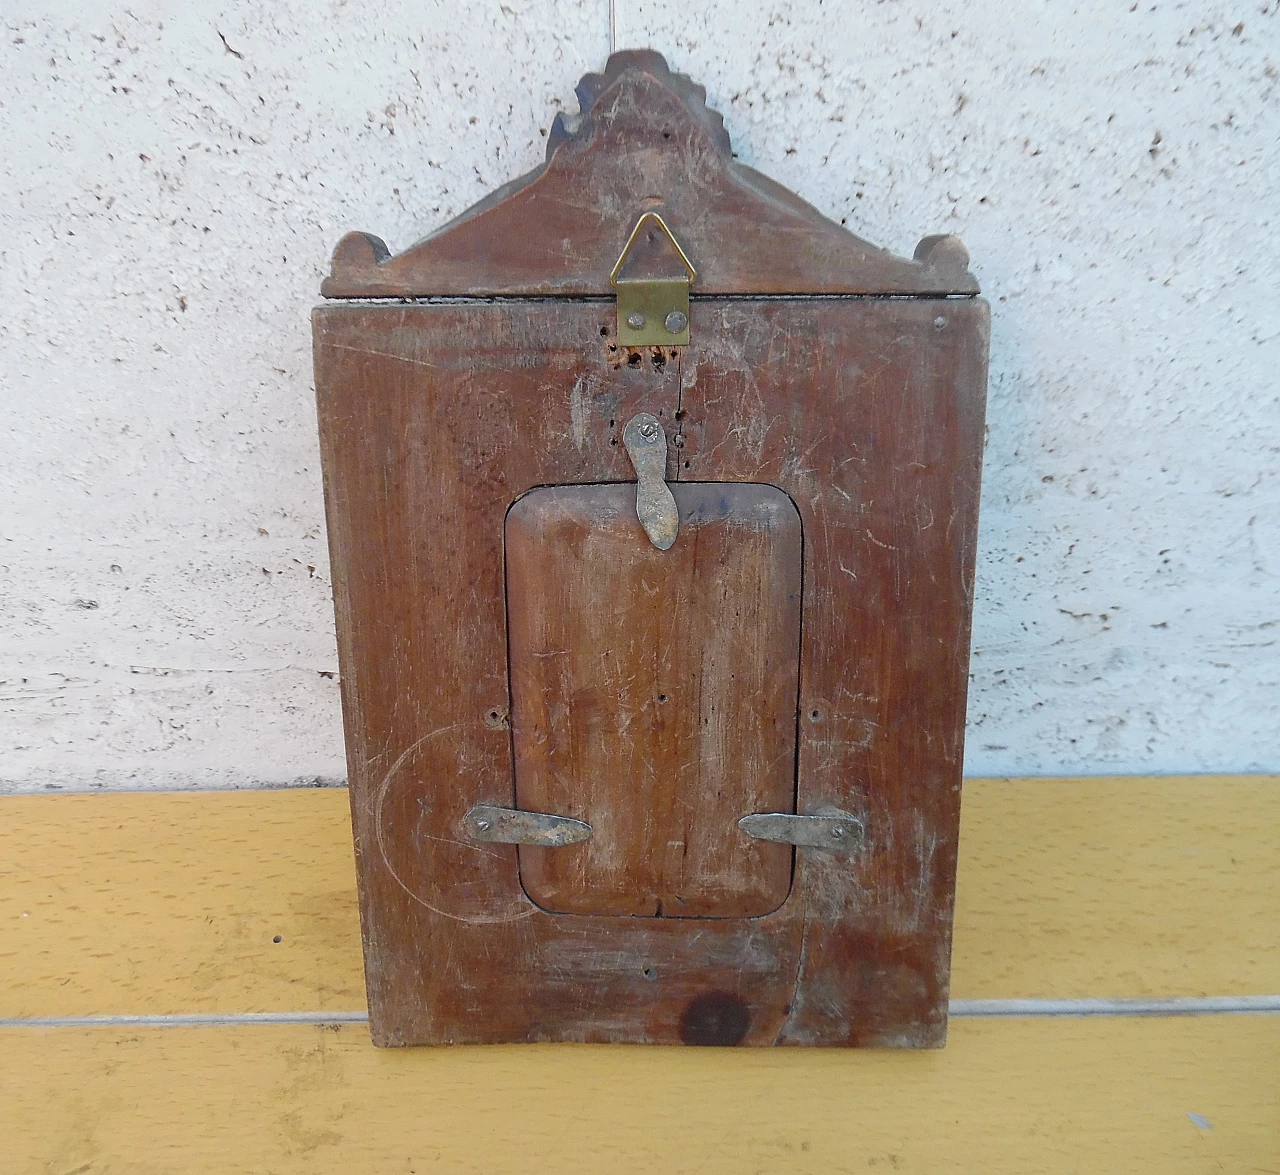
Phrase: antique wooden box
pixel 652 502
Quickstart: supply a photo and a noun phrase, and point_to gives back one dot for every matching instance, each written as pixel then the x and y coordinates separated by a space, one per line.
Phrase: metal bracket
pixel 510 826
pixel 836 832
pixel 653 312
pixel 646 445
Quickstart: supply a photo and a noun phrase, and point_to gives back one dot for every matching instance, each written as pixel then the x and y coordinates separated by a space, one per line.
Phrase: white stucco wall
pixel 173 177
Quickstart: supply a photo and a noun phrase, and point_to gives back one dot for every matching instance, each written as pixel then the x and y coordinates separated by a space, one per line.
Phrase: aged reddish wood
pixel 435 417
pixel 646 140
pixel 654 695
pixel 868 413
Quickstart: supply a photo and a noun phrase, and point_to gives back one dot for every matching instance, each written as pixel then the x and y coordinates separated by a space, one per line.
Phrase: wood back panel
pixel 654 695
pixel 868 414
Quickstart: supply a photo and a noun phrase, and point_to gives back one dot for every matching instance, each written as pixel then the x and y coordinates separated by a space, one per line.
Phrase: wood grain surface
pixel 868 414
pixel 1188 1096
pixel 158 903
pixel 654 694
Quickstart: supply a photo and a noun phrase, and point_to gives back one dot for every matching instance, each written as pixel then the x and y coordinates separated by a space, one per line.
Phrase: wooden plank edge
pixel 960 1009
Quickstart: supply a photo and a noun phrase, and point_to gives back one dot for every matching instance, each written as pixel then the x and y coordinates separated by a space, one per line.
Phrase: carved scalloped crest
pixel 645 140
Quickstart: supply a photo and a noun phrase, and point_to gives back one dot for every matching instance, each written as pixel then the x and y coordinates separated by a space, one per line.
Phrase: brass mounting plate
pixel 649 307
pixel 653 312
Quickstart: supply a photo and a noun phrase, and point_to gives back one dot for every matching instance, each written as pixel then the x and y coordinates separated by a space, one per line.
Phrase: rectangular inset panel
pixel 654 695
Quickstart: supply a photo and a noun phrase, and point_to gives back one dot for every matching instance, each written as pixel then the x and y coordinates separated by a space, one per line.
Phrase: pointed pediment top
pixel 644 140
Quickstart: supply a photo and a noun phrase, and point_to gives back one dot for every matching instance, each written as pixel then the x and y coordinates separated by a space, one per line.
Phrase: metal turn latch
pixel 510 826
pixel 837 832
pixel 646 444
pixel 654 311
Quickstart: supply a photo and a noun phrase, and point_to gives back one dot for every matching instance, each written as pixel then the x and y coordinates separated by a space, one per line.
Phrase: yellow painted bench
pixel 180 991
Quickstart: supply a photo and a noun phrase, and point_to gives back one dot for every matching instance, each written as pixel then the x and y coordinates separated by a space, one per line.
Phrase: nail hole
pixel 814 715
pixel 686 464
pixel 278 938
pixel 633 360
pixel 650 973
pixel 604 332
pixel 662 699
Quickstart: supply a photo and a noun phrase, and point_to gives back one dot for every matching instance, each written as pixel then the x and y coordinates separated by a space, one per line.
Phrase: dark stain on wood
pixel 715 1018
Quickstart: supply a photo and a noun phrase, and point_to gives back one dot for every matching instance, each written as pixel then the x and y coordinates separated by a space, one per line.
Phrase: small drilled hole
pixel 278 938
pixel 633 360
pixel 662 699
pixel 604 332
pixel 650 973
pixel 814 715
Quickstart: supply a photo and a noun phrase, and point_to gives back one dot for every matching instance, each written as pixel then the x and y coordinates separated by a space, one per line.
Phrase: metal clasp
pixel 834 831
pixel 654 311
pixel 646 445
pixel 511 826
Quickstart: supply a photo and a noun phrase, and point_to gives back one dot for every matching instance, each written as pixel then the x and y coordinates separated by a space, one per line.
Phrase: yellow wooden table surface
pixel 163 904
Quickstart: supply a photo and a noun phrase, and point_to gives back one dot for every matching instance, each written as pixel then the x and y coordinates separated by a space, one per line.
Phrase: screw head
pixel 482 825
pixel 649 431
pixel 939 322
pixel 676 322
pixel 635 320
pixel 838 831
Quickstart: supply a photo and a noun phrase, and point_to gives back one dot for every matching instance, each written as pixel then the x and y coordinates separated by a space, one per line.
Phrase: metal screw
pixel 939 322
pixel 676 322
pixel 838 831
pixel 635 320
pixel 649 431
pixel 482 825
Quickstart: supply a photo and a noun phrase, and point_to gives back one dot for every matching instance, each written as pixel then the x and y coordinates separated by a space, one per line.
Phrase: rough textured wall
pixel 173 178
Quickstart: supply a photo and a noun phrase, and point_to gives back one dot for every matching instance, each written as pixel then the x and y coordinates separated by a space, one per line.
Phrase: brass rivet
pixel 676 322
pixel 635 321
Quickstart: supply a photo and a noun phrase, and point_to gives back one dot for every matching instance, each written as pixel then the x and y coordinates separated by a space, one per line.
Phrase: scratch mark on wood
pixel 381 354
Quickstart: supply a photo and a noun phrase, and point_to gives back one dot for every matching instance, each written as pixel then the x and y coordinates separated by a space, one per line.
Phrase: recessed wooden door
pixel 654 695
